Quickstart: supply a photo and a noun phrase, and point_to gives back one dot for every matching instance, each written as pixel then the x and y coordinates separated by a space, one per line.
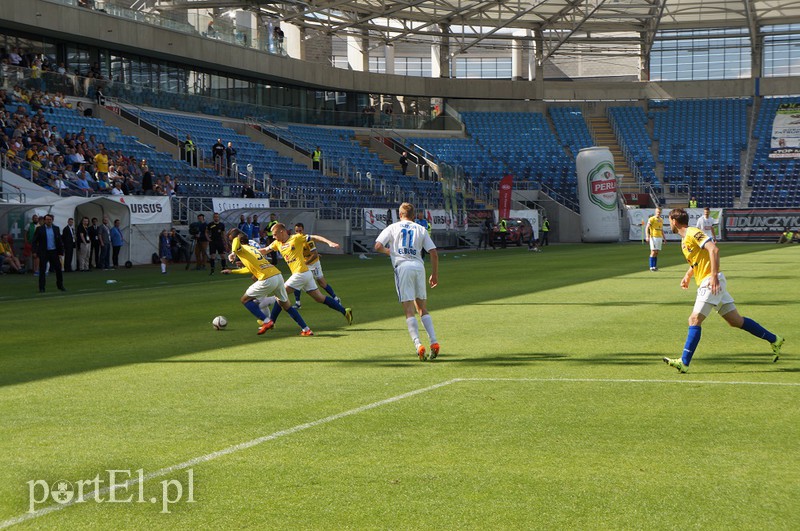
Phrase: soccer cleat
pixel 678 364
pixel 306 333
pixel 266 326
pixel 421 353
pixel 434 350
pixel 776 348
pixel 348 314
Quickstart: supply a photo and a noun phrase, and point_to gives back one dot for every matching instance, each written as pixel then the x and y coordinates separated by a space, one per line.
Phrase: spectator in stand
pixel 230 159
pixel 404 162
pixel 218 154
pixel 81 181
pixel 7 255
pixel 147 178
pixel 279 36
pixel 117 241
pixel 69 237
pixel 248 191
pixel 117 190
pixel 169 186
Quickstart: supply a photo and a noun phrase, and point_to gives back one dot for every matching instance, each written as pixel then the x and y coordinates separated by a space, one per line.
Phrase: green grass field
pixel 549 406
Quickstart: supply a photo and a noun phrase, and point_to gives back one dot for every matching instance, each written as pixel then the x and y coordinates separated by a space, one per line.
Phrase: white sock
pixel 427 322
pixel 413 329
pixel 163 267
pixel 265 303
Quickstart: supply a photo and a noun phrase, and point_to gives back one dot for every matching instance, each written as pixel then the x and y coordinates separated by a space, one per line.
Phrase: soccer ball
pixel 219 323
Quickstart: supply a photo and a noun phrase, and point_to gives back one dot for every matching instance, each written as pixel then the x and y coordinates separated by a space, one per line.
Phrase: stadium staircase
pixel 603 135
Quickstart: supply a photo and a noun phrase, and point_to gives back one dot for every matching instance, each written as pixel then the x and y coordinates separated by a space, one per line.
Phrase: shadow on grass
pixel 136 320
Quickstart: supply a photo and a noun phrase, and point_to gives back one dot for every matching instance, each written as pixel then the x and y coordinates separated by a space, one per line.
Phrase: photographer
pixel 197 231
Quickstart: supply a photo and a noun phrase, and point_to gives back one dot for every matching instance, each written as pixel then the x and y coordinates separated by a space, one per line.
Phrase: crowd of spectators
pixel 69 163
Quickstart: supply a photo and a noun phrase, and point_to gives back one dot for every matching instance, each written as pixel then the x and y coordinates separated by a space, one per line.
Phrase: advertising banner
pixel 637 218
pixel 504 196
pixel 146 208
pixel 753 224
pixel 785 141
pixel 379 218
pixel 221 204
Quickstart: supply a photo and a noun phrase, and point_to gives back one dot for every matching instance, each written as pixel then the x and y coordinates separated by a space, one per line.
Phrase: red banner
pixel 504 196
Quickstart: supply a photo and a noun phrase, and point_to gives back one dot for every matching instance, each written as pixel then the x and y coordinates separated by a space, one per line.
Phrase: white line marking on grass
pixel 617 380
pixel 225 451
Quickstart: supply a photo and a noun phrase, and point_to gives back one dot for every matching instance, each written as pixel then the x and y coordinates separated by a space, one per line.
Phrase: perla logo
pixel 146 209
pixel 602 186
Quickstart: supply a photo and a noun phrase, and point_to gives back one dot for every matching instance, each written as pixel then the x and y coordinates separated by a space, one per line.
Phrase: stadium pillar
pixel 357 54
pixel 440 54
pixel 522 64
pixel 538 76
pixel 388 55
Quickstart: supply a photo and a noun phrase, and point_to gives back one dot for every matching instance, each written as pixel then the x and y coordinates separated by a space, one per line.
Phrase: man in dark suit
pixel 48 246
pixel 68 238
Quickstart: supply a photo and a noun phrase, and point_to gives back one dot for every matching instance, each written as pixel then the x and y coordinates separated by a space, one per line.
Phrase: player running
pixel 291 248
pixel 404 241
pixel 269 281
pixel 311 256
pixel 655 235
pixel 703 257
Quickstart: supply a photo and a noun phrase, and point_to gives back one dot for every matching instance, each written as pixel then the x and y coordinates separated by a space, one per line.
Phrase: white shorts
pixel 706 300
pixel 316 269
pixel 409 279
pixel 303 281
pixel 271 286
pixel 655 243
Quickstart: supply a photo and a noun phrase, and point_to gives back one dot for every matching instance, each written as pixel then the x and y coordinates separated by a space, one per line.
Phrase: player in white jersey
pixel 707 224
pixel 403 242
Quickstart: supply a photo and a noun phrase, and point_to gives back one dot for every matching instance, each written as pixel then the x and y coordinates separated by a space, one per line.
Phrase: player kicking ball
pixel 703 257
pixel 311 256
pixel 291 248
pixel 269 282
pixel 403 242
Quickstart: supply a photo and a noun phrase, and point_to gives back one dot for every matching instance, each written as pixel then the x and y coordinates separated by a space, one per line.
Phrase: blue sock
pixel 652 261
pixel 297 318
pixel 655 261
pixel 333 304
pixel 692 339
pixel 330 291
pixel 758 330
pixel 252 307
pixel 276 309
pixel 297 295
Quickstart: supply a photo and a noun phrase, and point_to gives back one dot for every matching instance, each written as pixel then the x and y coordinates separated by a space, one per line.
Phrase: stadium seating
pixel 630 127
pixel 775 182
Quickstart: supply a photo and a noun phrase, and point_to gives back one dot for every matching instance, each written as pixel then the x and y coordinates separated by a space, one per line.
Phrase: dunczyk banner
pixel 750 224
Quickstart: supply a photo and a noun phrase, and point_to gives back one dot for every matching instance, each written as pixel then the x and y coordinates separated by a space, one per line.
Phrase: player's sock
pixel 330 291
pixel 655 262
pixel 212 262
pixel 163 267
pixel 333 304
pixel 297 317
pixel 652 262
pixel 427 322
pixel 758 330
pixel 276 310
pixel 297 293
pixel 692 339
pixel 413 329
pixel 252 307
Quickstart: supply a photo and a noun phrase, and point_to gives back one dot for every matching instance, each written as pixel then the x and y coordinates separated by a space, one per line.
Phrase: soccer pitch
pixel 548 407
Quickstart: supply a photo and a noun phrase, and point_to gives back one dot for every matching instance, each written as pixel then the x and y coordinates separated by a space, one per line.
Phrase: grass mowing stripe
pixel 630 380
pixel 225 451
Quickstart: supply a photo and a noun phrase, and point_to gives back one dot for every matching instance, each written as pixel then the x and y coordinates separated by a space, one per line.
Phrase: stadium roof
pixel 561 25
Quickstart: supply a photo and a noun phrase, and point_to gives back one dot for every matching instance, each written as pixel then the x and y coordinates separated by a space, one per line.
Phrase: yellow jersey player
pixel 703 257
pixel 291 248
pixel 655 235
pixel 311 256
pixel 269 282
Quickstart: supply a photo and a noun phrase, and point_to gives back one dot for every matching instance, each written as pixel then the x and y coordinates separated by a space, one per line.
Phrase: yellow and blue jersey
pixel 292 252
pixel 693 247
pixel 656 225
pixel 310 255
pixel 254 263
